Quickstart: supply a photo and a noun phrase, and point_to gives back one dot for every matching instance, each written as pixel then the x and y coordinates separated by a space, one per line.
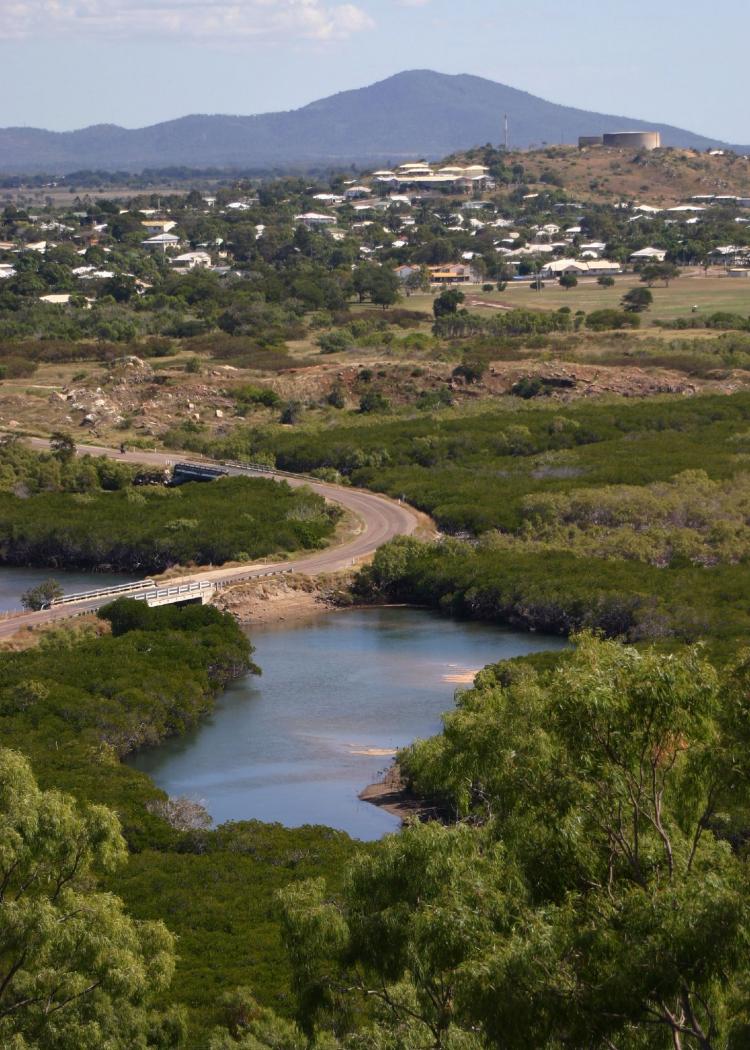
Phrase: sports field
pixel 709 294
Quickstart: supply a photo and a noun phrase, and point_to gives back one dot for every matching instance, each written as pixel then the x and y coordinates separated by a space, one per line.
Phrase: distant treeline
pixel 87 179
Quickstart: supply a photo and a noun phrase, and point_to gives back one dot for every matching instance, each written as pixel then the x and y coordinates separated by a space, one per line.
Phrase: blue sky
pixel 68 63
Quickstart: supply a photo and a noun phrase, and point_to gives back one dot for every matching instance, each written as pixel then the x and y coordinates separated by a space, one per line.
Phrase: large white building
pixel 315 218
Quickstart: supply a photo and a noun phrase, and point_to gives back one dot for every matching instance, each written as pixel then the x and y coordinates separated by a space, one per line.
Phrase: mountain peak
pixel 415 112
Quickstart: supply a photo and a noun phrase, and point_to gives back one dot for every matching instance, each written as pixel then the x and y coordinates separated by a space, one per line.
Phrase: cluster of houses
pixel 161 239
pixel 557 249
pixel 472 178
pixel 456 196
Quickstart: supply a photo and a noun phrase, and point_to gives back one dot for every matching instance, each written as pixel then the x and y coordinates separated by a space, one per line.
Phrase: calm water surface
pixel 13 582
pixel 298 744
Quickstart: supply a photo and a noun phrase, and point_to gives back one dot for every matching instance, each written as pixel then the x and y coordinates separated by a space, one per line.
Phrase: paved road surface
pixel 380 519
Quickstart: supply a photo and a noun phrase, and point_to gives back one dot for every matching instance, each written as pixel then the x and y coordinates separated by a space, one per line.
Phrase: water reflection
pixel 14 582
pixel 338 695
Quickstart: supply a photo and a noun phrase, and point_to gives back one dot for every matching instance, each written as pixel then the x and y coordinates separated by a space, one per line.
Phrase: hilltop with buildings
pixel 484 216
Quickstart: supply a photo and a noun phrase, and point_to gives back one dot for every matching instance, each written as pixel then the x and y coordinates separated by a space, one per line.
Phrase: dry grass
pixel 662 178
pixel 30 637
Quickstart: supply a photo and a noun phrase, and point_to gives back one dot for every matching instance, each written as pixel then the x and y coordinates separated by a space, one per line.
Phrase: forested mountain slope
pixel 416 113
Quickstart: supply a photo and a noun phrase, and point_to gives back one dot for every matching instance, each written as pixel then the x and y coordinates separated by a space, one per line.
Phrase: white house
pixel 95 275
pixel 373 204
pixel 594 249
pixel 56 298
pixel 314 218
pixel 155 226
pixel 649 255
pixel 162 241
pixel 581 268
pixel 730 255
pixel 560 267
pixel 192 260
pixel 603 268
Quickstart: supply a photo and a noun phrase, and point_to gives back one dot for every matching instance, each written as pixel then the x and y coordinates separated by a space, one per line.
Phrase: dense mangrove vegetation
pixel 625 517
pixel 472 469
pixel 62 512
pixel 560 592
pixel 596 877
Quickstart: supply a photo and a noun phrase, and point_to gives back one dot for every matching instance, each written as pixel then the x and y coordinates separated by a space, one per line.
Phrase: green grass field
pixel 709 294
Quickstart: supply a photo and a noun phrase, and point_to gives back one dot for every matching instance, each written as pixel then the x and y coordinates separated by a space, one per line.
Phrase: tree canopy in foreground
pixel 597 897
pixel 76 973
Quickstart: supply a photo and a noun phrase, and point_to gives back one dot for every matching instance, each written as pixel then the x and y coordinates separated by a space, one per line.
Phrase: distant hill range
pixel 413 115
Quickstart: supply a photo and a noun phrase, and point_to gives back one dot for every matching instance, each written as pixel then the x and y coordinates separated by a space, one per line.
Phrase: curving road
pixel 380 519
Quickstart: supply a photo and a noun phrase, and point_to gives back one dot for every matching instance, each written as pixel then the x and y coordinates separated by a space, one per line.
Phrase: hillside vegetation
pixel 663 177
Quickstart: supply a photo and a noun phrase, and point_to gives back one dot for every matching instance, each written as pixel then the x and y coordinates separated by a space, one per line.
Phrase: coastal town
pixel 431 225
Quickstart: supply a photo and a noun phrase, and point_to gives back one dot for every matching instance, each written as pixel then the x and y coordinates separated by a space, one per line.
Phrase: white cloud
pixel 170 19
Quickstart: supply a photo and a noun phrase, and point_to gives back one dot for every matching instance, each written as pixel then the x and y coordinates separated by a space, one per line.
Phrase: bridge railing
pixel 104 592
pixel 149 590
pixel 263 468
pixel 240 577
pixel 176 589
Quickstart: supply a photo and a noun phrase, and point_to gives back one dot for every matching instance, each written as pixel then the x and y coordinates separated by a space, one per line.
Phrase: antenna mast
pixel 507 134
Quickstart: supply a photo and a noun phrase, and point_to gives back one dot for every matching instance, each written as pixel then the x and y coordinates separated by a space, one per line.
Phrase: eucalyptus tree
pixel 594 894
pixel 76 972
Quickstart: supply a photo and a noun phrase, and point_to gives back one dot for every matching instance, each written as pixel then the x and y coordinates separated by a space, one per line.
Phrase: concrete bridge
pixel 192 591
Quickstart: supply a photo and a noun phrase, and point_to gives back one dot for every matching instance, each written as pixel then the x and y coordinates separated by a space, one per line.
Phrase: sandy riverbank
pixel 284 599
pixel 392 795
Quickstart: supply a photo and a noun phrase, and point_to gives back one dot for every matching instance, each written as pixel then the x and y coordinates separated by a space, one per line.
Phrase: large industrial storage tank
pixel 633 140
